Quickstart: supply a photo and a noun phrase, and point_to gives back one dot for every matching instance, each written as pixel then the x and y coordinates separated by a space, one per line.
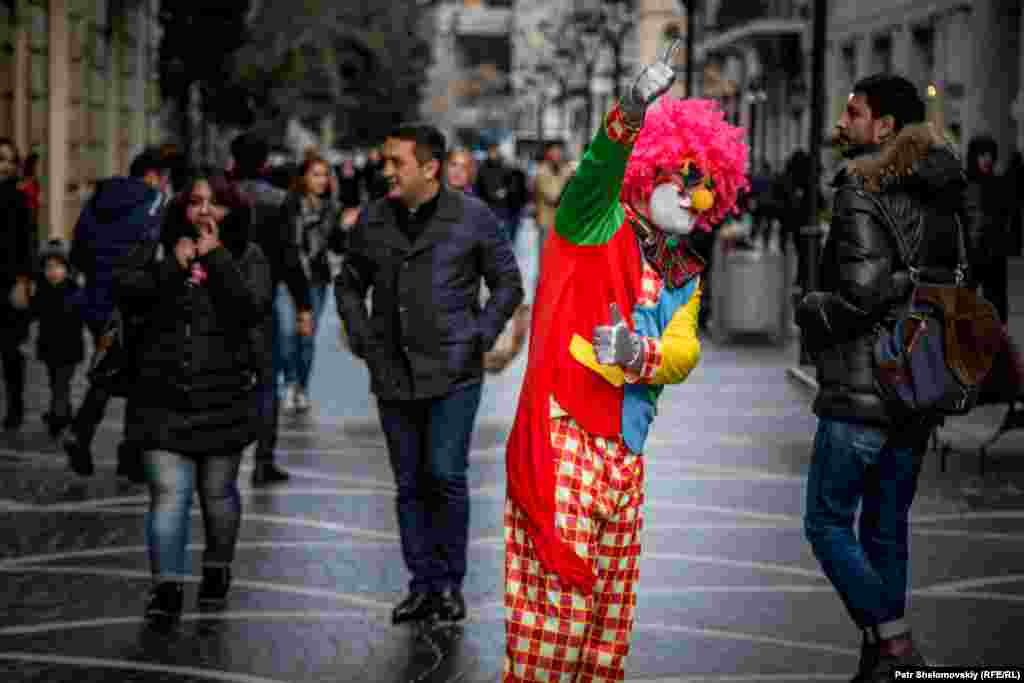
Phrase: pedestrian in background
pixel 493 187
pixel 375 185
pixel 57 304
pixel 1013 188
pixel 16 269
pixel 312 218
pixel 989 209
pixel 552 175
pixel 864 455
pixel 31 186
pixel 251 156
pixel 123 213
pixel 196 389
pixel 425 249
pixel 460 171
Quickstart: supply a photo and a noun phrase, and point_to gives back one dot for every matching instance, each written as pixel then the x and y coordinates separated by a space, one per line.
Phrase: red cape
pixel 577 284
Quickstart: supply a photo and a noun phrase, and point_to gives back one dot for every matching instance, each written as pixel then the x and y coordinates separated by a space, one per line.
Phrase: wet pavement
pixel 729 590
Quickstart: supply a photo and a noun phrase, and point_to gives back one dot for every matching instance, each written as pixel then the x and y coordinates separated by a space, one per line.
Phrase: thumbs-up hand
pixel 654 81
pixel 615 344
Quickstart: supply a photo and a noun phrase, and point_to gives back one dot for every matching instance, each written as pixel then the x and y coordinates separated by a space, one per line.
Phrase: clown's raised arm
pixel 589 211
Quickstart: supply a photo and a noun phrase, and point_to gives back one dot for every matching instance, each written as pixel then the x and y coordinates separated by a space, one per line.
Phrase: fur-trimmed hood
pixel 917 157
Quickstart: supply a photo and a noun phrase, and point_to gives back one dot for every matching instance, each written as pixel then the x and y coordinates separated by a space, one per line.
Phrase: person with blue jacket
pixel 123 213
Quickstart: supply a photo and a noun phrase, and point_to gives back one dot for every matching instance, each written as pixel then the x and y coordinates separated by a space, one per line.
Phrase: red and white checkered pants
pixel 554 633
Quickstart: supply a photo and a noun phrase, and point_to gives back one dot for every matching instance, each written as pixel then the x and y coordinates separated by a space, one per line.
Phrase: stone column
pixel 836 83
pixel 112 111
pixel 989 88
pixel 138 88
pixel 864 56
pixel 57 129
pixel 1018 104
pixel 902 53
pixel 978 114
pixel 937 115
pixel 20 83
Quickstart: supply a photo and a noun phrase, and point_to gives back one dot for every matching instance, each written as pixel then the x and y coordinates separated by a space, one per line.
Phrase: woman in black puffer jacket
pixel 196 398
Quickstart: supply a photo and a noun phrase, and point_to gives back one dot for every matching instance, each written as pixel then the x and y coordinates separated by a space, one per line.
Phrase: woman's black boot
pixel 165 603
pixel 213 591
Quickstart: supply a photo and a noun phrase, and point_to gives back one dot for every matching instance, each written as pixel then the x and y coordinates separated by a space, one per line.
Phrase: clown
pixel 614 321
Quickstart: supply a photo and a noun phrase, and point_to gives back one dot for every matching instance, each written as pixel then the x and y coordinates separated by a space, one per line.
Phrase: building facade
pixel 469 92
pixel 965 57
pixel 78 87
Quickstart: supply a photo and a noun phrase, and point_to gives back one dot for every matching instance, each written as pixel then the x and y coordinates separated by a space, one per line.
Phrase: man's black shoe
pixel 79 456
pixel 452 606
pixel 416 607
pixel 268 473
pixel 868 661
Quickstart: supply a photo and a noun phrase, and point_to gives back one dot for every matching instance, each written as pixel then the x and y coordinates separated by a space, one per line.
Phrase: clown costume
pixel 614 321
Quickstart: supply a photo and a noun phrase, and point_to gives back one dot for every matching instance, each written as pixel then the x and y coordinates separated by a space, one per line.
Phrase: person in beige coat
pixel 552 175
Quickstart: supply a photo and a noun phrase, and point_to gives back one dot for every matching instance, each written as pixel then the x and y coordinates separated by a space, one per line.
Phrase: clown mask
pixel 679 198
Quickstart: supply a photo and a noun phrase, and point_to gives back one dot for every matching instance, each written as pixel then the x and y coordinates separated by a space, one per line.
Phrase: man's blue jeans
pixel 428 443
pixel 293 353
pixel 853 465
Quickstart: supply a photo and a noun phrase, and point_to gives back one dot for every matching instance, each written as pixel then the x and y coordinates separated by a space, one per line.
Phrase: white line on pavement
pixel 191 547
pixel 739 564
pixel 270 586
pixel 133 665
pixel 978 582
pixel 967 516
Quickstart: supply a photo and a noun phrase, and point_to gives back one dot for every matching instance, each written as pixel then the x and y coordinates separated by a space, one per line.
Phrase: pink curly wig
pixel 675 130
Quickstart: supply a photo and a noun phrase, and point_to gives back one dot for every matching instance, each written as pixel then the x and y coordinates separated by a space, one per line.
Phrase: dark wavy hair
pixel 892 95
pixel 234 229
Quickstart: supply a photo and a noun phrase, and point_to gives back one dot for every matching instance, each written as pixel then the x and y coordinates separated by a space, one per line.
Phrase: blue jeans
pixel 172 478
pixel 853 465
pixel 269 406
pixel 428 444
pixel 293 353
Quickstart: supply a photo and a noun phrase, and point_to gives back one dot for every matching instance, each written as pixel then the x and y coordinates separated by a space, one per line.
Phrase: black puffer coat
pixel 908 191
pixel 197 365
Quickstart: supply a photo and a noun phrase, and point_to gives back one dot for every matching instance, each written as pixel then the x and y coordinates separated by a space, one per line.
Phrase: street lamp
pixel 692 8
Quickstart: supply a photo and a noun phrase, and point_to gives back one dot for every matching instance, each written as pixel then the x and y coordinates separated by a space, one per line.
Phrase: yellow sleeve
pixel 680 346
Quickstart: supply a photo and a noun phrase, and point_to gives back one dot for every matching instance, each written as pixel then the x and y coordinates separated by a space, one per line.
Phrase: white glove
pixel 654 81
pixel 615 344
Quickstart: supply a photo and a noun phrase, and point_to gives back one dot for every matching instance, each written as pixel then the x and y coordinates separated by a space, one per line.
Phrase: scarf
pixel 669 255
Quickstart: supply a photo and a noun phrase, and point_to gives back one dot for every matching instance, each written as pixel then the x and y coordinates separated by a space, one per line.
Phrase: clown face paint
pixel 670 209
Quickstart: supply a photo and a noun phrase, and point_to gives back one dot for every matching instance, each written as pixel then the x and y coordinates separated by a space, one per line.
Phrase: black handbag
pixel 113 365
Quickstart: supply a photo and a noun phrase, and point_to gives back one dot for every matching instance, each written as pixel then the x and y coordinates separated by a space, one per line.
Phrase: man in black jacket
pixel 989 202
pixel 272 233
pixel 424 250
pixel 902 186
pixel 123 213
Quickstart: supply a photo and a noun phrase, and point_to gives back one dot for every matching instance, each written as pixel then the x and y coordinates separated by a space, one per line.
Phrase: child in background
pixel 59 342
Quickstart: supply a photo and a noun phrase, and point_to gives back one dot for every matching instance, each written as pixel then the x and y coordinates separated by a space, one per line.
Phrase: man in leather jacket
pixel 897 194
